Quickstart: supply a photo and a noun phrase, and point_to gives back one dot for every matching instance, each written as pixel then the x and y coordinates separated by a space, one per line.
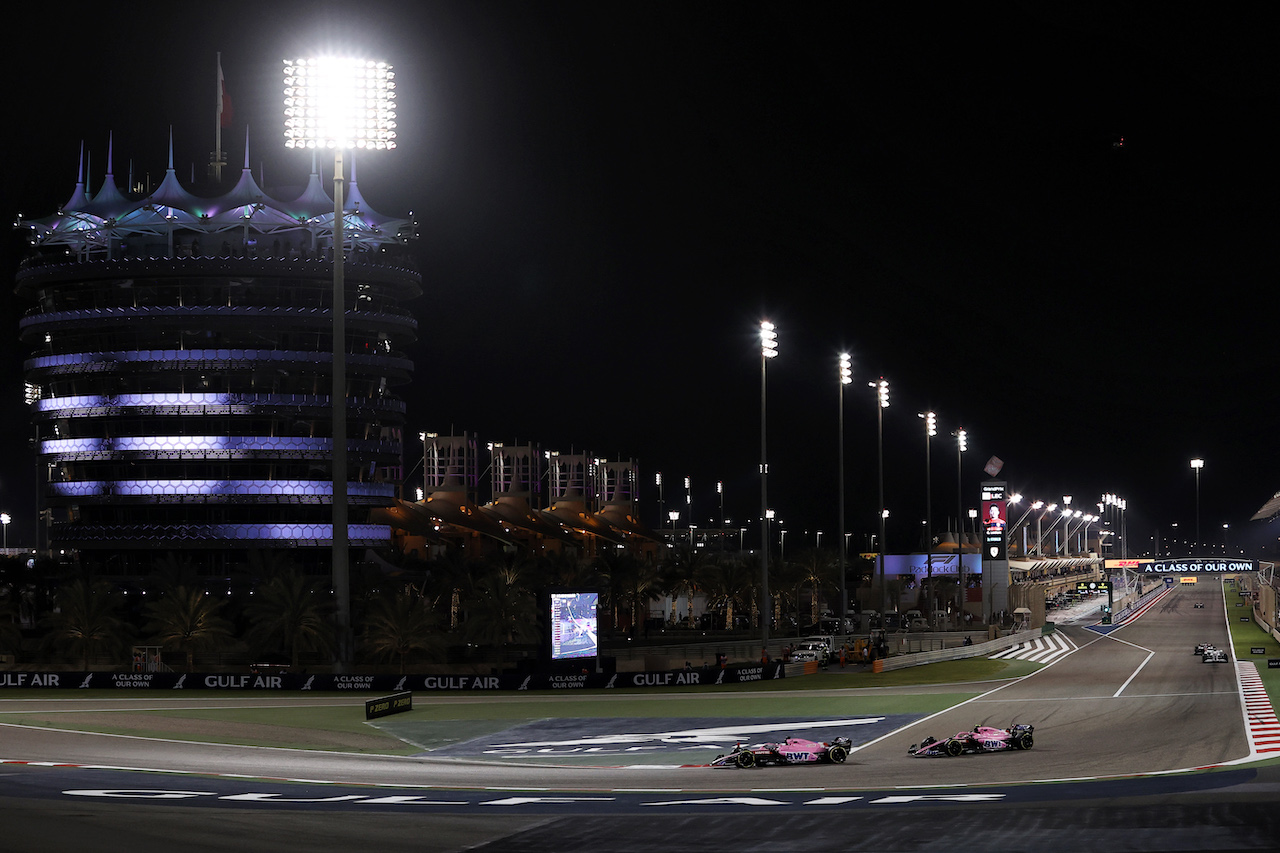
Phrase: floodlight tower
pixel 930 430
pixel 962 444
pixel 1197 465
pixel 882 402
pixel 768 350
pixel 846 376
pixel 339 103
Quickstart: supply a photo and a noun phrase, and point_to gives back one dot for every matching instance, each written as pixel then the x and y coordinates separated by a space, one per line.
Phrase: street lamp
pixel 768 350
pixel 720 492
pixel 339 103
pixel 882 402
pixel 1196 465
pixel 5 519
pixel 688 507
pixel 657 481
pixel 845 373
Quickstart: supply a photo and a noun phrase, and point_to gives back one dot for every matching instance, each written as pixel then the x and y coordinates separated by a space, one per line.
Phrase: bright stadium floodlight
pixel 339 103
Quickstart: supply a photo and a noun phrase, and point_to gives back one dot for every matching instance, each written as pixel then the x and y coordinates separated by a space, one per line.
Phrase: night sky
pixel 1054 227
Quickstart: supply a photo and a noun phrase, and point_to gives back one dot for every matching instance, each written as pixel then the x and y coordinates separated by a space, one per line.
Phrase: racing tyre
pixel 953 748
pixel 746 759
pixel 1024 741
pixel 837 754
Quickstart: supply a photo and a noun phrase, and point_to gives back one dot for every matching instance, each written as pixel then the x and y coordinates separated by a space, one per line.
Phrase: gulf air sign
pixel 1198 565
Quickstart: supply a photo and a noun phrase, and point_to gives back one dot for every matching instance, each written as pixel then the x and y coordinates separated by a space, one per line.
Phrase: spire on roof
pixel 78 198
pixel 355 201
pixel 109 202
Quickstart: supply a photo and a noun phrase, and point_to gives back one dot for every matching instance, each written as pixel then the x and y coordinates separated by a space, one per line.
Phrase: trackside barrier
pixel 808 667
pixel 324 682
pixel 1124 614
pixel 960 652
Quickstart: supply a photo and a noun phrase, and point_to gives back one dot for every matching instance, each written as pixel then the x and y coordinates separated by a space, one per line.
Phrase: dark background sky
pixel 613 195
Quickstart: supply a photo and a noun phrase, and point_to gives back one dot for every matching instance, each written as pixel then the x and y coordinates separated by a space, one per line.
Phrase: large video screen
pixel 573 623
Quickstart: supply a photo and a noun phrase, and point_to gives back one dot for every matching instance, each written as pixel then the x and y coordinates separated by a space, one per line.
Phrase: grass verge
pixel 1247 635
pixel 440 719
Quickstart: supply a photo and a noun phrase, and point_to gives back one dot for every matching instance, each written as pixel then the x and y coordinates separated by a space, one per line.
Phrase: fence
pixel 961 652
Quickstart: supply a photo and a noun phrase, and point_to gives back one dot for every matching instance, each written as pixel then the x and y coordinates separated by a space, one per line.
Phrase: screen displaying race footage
pixel 573 622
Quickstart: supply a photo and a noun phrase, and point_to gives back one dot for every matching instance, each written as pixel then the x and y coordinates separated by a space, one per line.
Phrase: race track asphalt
pixel 1135 701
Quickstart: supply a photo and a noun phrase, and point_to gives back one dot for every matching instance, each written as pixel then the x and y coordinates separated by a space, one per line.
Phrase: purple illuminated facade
pixel 179 371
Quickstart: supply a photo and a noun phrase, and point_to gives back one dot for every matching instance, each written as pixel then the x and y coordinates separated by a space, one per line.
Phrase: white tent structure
pixel 245 221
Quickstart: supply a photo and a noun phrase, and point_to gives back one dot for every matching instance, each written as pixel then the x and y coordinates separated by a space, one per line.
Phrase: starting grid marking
pixel 1039 650
pixel 1260 718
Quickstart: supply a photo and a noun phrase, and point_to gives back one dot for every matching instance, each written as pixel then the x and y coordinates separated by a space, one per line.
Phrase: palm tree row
pixel 490 603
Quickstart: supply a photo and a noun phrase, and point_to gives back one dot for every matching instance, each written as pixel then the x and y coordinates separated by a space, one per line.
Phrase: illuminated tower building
pixel 179 371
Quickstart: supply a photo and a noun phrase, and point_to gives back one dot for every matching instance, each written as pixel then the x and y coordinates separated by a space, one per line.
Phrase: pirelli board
pixel 1198 565
pixel 386 705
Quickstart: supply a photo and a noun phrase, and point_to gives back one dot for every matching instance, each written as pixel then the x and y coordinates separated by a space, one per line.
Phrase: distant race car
pixel 981 739
pixel 1214 655
pixel 1199 605
pixel 793 750
pixel 1201 648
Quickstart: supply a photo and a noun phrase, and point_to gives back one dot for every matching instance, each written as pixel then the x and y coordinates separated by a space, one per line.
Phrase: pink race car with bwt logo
pixel 793 750
pixel 981 739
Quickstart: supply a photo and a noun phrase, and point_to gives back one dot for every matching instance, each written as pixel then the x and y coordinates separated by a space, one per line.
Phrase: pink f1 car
pixel 981 739
pixel 793 750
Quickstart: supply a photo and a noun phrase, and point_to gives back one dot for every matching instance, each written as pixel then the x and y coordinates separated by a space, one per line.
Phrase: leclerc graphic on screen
pixel 574 632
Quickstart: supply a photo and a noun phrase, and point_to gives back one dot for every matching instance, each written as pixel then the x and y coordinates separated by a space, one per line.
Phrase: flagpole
pixel 216 161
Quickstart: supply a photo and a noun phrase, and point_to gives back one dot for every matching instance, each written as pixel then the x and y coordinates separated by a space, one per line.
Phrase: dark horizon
pixel 1048 228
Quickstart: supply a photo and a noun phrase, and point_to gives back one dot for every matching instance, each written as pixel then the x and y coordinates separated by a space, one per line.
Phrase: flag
pixel 225 113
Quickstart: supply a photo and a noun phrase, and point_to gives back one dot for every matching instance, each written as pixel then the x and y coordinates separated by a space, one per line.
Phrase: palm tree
pixel 816 570
pixel 187 619
pixel 566 569
pixel 680 569
pixel 10 630
pixel 398 624
pixel 447 576
pixel 288 612
pixel 631 580
pixel 85 621
pixel 171 571
pixel 729 583
pixel 500 608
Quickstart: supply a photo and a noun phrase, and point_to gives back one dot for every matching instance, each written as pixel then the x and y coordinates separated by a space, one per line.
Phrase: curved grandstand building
pixel 179 371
